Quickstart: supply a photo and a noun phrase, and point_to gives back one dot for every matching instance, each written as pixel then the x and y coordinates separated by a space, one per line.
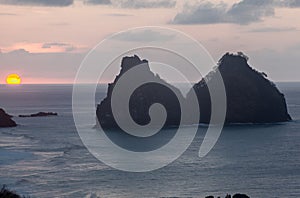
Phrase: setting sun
pixel 13 79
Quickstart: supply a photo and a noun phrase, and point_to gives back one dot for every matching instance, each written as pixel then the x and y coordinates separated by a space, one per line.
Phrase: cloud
pixel 58 3
pixel 145 3
pixel 135 4
pixel 19 52
pixel 49 47
pixel 118 15
pixel 65 46
pixel 205 13
pixel 144 36
pixel 97 2
pixel 290 3
pixel 274 29
pixel 243 12
pixel 7 14
pixel 248 11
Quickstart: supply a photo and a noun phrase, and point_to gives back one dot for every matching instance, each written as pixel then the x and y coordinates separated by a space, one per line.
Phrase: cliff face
pixel 251 98
pixel 5 119
pixel 142 98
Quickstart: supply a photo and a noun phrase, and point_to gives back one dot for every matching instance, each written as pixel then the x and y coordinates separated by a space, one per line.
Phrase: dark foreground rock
pixel 251 97
pixel 6 193
pixel 40 114
pixel 5 119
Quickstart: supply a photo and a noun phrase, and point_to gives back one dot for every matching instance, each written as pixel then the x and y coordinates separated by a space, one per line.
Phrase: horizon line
pixel 1 84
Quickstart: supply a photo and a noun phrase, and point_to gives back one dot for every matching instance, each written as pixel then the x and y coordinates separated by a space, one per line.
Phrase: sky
pixel 45 41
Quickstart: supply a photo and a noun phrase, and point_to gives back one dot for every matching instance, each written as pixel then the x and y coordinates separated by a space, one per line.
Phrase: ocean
pixel 44 156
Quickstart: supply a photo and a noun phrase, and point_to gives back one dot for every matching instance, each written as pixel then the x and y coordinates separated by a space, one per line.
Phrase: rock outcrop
pixel 7 193
pixel 5 119
pixel 39 114
pixel 229 196
pixel 251 97
pixel 142 98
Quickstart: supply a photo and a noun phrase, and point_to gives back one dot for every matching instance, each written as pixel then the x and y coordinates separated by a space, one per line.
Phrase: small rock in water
pixel 40 114
pixel 234 196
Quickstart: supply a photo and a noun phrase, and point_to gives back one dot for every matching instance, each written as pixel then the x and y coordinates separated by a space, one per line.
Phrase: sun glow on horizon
pixel 13 79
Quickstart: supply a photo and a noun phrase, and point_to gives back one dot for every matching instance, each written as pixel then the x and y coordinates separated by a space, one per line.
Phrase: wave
pixel 293 105
pixel 52 153
pixel 92 195
pixel 22 136
pixel 23 181
pixel 60 149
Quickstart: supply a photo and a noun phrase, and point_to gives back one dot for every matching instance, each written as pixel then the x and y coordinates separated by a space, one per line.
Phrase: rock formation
pixel 39 114
pixel 7 193
pixel 142 98
pixel 234 196
pixel 5 119
pixel 251 97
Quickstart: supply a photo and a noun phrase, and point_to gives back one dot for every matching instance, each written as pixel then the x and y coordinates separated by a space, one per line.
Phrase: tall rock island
pixel 157 91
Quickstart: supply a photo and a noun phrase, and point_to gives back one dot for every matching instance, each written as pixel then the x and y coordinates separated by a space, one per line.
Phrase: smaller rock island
pixel 39 114
pixel 5 119
pixel 251 97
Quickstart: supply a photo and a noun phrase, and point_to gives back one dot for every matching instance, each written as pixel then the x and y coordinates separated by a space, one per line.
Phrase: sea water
pixel 44 156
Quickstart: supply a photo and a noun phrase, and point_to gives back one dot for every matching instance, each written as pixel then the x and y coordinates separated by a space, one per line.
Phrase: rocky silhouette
pixel 142 98
pixel 229 196
pixel 251 97
pixel 5 119
pixel 7 193
pixel 39 114
pixel 240 196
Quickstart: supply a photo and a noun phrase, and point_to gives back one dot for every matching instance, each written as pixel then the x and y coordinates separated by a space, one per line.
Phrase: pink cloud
pixel 51 47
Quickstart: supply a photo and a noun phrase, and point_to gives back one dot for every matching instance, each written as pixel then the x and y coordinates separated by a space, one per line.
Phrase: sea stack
pixel 251 97
pixel 5 119
pixel 143 97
